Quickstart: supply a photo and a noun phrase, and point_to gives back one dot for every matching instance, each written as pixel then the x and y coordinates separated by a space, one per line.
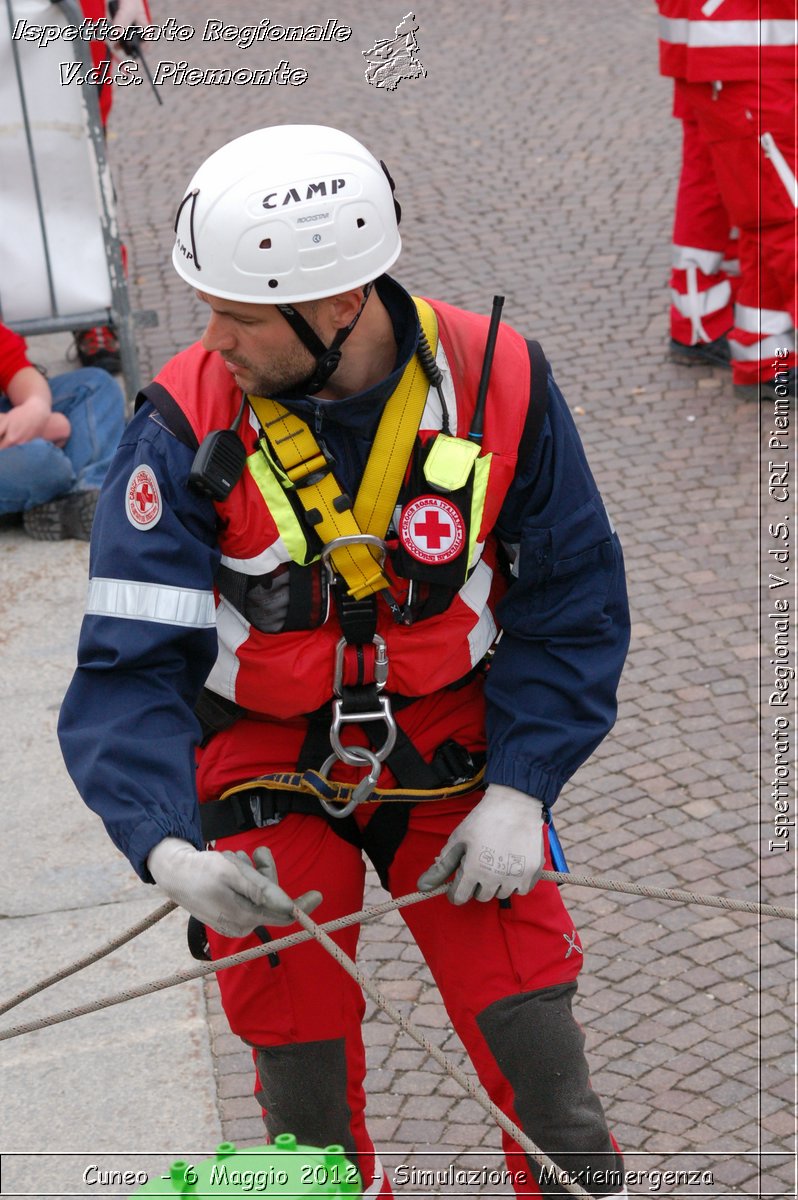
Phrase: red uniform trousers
pixel 506 973
pixel 479 954
pixel 704 252
pixel 760 200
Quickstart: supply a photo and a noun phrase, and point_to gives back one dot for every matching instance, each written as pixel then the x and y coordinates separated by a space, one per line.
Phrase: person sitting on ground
pixel 57 439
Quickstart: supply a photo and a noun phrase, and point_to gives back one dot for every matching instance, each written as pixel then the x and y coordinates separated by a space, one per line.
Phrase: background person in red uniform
pixel 703 253
pixel 736 66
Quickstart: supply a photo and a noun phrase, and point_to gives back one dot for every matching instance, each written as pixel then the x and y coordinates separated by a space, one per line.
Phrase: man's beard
pixel 285 372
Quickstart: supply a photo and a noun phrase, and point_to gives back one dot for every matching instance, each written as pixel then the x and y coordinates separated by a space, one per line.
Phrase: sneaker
pixel 99 347
pixel 715 354
pixel 69 516
pixel 770 390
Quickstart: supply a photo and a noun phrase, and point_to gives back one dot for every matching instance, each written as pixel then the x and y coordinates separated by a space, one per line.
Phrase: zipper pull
pixel 393 605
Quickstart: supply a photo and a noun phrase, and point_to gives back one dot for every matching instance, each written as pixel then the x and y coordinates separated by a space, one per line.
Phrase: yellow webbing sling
pixel 305 468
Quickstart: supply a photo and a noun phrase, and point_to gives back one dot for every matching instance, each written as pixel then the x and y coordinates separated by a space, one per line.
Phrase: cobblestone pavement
pixel 538 159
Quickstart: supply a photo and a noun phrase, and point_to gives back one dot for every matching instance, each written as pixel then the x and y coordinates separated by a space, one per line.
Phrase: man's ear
pixel 344 307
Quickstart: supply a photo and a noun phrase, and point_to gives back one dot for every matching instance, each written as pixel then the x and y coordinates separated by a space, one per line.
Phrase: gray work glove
pixel 224 890
pixel 497 849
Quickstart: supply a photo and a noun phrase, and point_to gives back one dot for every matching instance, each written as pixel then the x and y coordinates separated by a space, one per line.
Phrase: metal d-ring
pixel 351 539
pixel 362 789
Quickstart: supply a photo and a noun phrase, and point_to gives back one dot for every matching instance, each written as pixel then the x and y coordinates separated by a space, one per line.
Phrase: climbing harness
pixel 354 550
pixel 253 804
pixel 351 533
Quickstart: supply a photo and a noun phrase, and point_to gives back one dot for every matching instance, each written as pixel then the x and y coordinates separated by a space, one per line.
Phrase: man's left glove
pixel 497 849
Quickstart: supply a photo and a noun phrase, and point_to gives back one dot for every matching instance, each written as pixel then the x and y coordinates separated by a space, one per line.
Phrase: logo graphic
pixel 432 530
pixel 144 505
pixel 572 943
pixel 393 59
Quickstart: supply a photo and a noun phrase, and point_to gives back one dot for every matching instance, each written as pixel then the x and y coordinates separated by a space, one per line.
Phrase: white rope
pixel 367 914
pixel 221 964
pixel 475 1090
pixel 95 956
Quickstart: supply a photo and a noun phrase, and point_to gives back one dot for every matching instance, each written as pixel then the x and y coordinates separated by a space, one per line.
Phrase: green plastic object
pixel 282 1169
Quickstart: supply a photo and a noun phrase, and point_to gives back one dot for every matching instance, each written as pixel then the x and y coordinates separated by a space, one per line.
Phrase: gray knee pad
pixel 303 1090
pixel 540 1051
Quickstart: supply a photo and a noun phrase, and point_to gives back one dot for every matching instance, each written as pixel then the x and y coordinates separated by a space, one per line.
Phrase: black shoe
pixel 714 354
pixel 99 347
pixel 782 387
pixel 69 516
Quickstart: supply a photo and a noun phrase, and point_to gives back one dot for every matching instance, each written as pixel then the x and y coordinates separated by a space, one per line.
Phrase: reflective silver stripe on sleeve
pixel 706 35
pixel 132 601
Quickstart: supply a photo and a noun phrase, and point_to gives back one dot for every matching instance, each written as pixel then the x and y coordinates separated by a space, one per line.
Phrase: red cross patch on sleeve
pixel 143 498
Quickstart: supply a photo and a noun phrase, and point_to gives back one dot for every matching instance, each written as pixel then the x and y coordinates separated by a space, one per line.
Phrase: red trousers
pixel 748 132
pixel 703 250
pixel 500 970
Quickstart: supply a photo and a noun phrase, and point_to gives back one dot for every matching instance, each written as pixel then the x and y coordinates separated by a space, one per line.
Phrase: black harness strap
pixel 176 420
pixel 538 400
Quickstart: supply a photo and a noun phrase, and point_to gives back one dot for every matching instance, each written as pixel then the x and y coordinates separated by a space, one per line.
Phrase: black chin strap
pixel 327 357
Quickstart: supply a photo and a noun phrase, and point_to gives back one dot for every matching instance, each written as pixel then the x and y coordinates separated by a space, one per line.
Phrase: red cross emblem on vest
pixel 143 498
pixel 432 530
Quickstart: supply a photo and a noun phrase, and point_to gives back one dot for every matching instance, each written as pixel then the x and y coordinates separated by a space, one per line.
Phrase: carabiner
pixel 362 789
pixel 380 664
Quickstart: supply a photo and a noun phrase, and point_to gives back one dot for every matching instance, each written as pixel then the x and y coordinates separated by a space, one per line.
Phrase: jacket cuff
pixel 525 776
pixel 147 837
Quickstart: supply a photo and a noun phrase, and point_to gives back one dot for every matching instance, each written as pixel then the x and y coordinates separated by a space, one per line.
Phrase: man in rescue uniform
pixel 735 68
pixel 307 545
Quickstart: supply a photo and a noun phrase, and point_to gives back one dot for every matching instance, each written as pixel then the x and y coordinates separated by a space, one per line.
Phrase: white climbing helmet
pixel 285 214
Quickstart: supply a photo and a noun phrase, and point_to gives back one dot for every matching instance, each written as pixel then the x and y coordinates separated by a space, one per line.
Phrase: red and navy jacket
pixel 707 40
pixel 160 618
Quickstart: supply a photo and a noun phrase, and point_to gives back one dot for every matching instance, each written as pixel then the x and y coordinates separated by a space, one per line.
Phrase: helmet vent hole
pixel 360 222
pixel 273 283
pixel 266 244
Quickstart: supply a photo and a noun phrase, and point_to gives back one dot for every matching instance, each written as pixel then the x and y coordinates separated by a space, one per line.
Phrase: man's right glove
pixel 225 891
